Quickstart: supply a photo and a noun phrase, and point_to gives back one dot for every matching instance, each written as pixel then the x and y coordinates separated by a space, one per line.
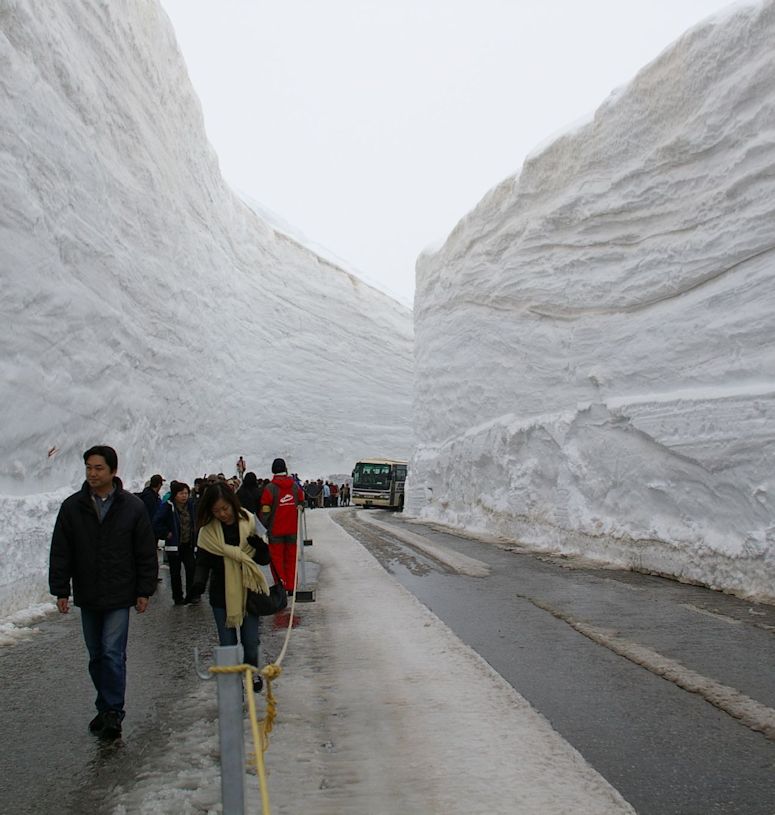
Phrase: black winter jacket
pixel 150 497
pixel 249 497
pixel 166 525
pixel 210 567
pixel 111 563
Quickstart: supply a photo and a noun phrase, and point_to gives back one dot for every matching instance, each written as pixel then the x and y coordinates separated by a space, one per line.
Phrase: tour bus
pixel 379 482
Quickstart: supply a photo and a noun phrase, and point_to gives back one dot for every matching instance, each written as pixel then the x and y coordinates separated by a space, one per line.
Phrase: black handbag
pixel 264 605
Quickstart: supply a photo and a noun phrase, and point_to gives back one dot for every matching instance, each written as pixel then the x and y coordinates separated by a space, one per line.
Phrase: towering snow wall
pixel 143 304
pixel 595 366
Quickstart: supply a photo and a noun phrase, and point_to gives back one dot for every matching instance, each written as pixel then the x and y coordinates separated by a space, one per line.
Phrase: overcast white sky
pixel 373 126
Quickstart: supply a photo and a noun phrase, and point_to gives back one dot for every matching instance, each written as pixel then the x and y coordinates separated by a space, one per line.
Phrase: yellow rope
pixel 261 729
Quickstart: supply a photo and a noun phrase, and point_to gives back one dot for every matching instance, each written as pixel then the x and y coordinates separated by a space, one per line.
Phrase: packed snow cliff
pixel 594 342
pixel 144 304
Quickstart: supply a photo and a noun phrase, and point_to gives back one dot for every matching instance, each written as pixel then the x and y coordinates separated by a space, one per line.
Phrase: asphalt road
pixel 50 764
pixel 666 749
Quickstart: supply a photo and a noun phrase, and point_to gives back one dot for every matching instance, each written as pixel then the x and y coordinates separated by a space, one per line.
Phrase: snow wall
pixel 594 358
pixel 144 305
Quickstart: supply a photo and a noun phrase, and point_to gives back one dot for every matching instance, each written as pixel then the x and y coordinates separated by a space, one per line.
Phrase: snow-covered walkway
pixel 382 709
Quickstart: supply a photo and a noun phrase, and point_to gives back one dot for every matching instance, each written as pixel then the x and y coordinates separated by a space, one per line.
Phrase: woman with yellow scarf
pixel 230 551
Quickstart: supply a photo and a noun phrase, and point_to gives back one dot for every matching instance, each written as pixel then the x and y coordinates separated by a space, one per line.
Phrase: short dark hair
pixel 178 486
pixel 219 490
pixel 108 453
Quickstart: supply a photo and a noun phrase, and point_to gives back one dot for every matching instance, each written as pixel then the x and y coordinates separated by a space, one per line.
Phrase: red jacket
pixel 278 506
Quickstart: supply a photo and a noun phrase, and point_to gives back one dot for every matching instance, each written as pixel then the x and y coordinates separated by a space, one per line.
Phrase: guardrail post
pixel 307 541
pixel 230 730
pixel 303 593
pixel 301 527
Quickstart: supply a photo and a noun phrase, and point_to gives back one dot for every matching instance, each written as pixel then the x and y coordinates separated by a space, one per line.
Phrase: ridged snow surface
pixel 594 353
pixel 146 306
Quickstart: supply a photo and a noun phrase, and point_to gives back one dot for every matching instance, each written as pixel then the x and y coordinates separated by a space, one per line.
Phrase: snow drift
pixel 594 341
pixel 146 306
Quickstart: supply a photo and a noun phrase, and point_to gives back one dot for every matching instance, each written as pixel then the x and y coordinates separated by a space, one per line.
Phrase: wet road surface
pixel 50 763
pixel 668 751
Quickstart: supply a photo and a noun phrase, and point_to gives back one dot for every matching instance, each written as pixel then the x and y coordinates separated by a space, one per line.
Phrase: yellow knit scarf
pixel 241 572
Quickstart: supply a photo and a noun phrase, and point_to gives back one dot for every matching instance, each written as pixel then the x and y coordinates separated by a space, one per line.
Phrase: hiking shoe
pixel 258 683
pixel 111 725
pixel 95 725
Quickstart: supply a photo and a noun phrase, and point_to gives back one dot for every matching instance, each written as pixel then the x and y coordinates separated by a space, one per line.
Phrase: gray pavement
pixel 51 763
pixel 665 749
pixel 668 751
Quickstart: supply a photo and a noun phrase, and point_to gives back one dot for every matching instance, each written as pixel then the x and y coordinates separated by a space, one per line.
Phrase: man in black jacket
pixel 150 496
pixel 104 544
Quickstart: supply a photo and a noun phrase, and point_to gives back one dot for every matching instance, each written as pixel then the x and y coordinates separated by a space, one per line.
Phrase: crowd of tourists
pixel 228 536
pixel 326 494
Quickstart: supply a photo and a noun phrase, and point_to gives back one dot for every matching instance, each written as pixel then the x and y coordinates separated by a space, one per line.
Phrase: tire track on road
pixel 747 711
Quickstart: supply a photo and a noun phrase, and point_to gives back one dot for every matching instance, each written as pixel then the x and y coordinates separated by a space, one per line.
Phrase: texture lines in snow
pixel 145 305
pixel 593 349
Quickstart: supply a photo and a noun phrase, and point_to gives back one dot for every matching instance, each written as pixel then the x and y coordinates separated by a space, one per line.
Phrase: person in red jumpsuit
pixel 279 514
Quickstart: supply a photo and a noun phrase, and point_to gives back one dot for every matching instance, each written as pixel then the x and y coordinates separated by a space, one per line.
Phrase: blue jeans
pixel 249 634
pixel 105 634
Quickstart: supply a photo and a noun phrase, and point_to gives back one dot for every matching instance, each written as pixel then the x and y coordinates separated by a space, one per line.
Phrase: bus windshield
pixel 371 475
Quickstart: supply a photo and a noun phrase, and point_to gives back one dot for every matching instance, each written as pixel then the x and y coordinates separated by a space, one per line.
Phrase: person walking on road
pixel 229 554
pixel 104 544
pixel 249 494
pixel 150 496
pixel 281 496
pixel 312 491
pixel 175 524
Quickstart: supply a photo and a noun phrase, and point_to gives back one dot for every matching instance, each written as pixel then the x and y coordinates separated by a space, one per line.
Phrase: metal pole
pixel 307 540
pixel 300 546
pixel 230 731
